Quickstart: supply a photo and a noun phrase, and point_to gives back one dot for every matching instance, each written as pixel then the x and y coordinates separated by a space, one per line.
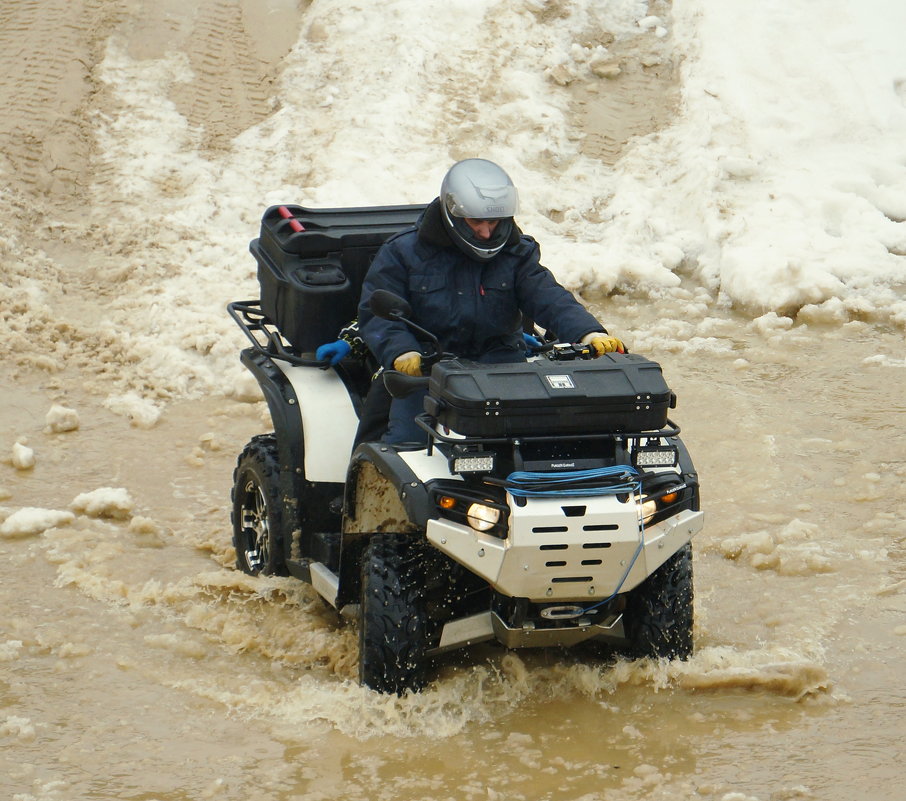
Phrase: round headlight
pixel 647 510
pixel 482 517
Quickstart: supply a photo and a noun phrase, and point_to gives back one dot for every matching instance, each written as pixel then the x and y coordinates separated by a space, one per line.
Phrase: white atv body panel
pixel 329 421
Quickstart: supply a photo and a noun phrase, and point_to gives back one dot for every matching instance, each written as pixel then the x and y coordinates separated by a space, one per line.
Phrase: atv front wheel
pixel 659 611
pixel 392 628
pixel 258 514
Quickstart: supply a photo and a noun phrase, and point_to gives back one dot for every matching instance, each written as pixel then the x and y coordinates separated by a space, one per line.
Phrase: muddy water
pixel 136 663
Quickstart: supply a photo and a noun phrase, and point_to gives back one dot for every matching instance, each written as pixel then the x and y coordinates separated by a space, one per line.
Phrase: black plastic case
pixel 311 278
pixel 614 393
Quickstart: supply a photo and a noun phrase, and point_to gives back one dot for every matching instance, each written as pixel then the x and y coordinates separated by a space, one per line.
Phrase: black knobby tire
pixel 393 624
pixel 659 615
pixel 258 515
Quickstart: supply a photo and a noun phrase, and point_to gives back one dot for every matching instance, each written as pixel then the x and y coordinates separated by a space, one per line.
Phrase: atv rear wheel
pixel 258 515
pixel 659 611
pixel 392 628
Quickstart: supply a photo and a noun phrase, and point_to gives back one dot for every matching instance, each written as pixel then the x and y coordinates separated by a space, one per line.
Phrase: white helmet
pixel 480 190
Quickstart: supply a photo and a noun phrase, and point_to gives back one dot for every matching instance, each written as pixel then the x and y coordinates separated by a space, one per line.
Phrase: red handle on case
pixel 286 214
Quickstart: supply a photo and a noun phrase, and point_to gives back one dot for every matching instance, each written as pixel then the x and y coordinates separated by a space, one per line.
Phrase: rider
pixel 469 275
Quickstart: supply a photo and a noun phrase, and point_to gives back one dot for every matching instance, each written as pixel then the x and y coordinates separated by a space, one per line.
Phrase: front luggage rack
pixel 428 423
pixel 252 321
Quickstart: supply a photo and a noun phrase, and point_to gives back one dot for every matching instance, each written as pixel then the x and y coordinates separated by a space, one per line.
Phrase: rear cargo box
pixel 614 393
pixel 311 265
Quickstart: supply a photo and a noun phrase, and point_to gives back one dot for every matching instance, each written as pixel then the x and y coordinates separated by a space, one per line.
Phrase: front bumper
pixel 583 549
pixel 486 626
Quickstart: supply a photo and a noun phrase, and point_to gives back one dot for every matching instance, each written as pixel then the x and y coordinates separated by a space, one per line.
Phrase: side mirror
pixel 387 306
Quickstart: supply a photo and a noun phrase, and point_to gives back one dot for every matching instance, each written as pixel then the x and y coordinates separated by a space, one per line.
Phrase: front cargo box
pixel 311 265
pixel 614 393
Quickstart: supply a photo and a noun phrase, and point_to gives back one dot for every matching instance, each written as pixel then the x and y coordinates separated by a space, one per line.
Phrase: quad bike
pixel 553 505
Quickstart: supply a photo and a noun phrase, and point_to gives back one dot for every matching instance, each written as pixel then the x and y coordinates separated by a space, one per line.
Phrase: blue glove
pixel 531 343
pixel 335 351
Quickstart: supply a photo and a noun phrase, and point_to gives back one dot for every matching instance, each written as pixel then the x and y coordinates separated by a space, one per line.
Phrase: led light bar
pixel 654 457
pixel 474 464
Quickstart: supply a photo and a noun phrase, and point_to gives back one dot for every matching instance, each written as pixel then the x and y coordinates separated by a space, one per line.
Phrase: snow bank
pixel 780 184
pixel 784 181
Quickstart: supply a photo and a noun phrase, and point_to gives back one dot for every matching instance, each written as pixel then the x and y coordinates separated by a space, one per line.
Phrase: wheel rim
pixel 255 529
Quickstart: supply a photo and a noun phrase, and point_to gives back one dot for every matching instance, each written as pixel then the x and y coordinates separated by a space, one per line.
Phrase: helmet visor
pixel 479 189
pixel 484 202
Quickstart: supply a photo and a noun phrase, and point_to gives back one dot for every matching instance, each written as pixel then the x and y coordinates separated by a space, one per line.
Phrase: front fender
pixel 383 494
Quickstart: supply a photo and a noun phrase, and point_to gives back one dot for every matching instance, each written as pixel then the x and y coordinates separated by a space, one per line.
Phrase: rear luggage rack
pixel 250 318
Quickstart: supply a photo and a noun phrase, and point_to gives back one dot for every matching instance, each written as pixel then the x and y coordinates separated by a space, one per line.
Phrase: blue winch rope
pixel 626 572
pixel 617 480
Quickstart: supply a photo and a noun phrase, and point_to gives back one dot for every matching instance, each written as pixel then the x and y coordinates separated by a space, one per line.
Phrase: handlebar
pixel 565 352
pixel 400 385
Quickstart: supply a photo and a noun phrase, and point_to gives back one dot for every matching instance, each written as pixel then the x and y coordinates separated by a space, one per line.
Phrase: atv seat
pixel 312 262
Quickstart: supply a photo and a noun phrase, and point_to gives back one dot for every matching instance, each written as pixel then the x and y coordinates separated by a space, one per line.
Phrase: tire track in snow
pixel 232 87
pixel 45 82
